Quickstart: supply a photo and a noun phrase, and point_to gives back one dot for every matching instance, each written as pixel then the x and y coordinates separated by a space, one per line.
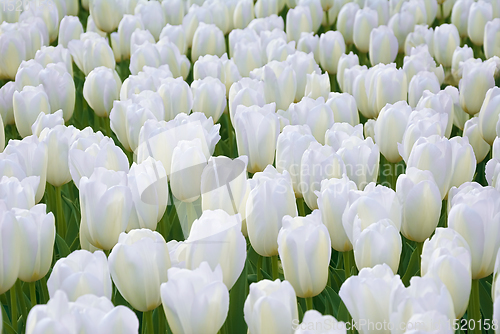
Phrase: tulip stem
pixel 347 263
pixel 420 246
pixel 274 260
pixel 473 311
pixel 32 293
pixel 259 268
pixel 147 322
pixel 107 125
pixel 300 206
pixel 13 306
pixel 309 303
pixel 61 224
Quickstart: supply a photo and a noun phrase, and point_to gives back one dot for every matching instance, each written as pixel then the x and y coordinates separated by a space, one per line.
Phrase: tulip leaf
pixel 334 300
pixel 485 299
pixel 6 323
pixel 343 313
pixel 62 247
pixel 235 322
pixel 413 267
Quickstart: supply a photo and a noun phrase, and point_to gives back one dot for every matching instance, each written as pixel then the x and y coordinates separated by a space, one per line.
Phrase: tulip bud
pixel 91 51
pixel 446 40
pixel 306 276
pixel 152 15
pixel 138 265
pixel 383 45
pixel 332 200
pixel 99 196
pixel 246 92
pixel 272 193
pixel 88 153
pixel 243 14
pixel 331 48
pixel 266 8
pixel 176 35
pixel 422 81
pixel 345 62
pixel 424 295
pixel 402 24
pixel 60 89
pixel 488 115
pixel 418 192
pixel 106 14
pixel 393 117
pixel 491 44
pixel 79 274
pixel 177 97
pixel 138 37
pixel 271 306
pixel 442 103
pixel 11 238
pixel 344 108
pixel 27 105
pixel 420 35
pixel 278 49
pixel 204 286
pixel 361 159
pixel 447 256
pixel 208 39
pixel 58 54
pixel 463 161
pixel 318 85
pixel 476 80
pixel 345 21
pixel 340 132
pixel 70 28
pixel 460 15
pixel 6 102
pixel 368 295
pixel 225 248
pixel 92 27
pixel 365 21
pixel 16 193
pixel 330 165
pixel 473 133
pixel 178 63
pixel 301 16
pixel 145 54
pixel 261 120
pixel 209 97
pixel 480 13
pixel 389 86
pixel 13 51
pixel 37 234
pixel 419 60
pixel 316 11
pixel 302 64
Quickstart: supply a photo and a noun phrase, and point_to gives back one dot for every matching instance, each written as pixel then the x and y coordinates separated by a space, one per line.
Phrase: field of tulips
pixel 249 167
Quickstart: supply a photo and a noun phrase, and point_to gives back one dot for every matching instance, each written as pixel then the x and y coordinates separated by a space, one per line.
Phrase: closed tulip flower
pixel 491 45
pixel 442 103
pixel 331 166
pixel 15 193
pixel 361 159
pixel 418 193
pixel 58 54
pixel 367 295
pixel 446 40
pixel 422 81
pixel 316 12
pixel 185 290
pixel 208 39
pixel 478 212
pixel 270 199
pixel 58 141
pixel 209 97
pixel 460 15
pixel 10 246
pixel 365 21
pixel 463 161
pixel 394 117
pixel 28 74
pixel 145 54
pixel 59 86
pixel 152 15
pixel 301 16
pixel 247 56
pixel 476 80
pixel 70 28
pixel 402 24
pixel 91 51
pixel 243 14
pixel 101 196
pixel 6 102
pixel 177 97
pixel 246 92
pixel 377 243
pixel 383 45
pixel 480 13
pixel 390 86
pixel 174 11
pixel 306 276
pixel 345 61
pixel 317 85
pixel 447 256
pixel 488 115
pixel 37 234
pixel 280 84
pixel 120 40
pixel 332 200
pixel 302 64
pixel 344 108
pixel 339 132
pixel 420 59
pixel 422 34
pixel 103 21
pixel 81 273
pixel 27 105
pixel 217 239
pixel 427 152
pixel 271 307
pixel 13 51
pixel 277 49
pixel 138 37
pixel 176 35
pixel 138 265
pixel 257 131
pixel 87 153
pixel 479 145
pixel 30 157
pixel 425 294
pixel 345 21
pixel 309 42
pixel 331 47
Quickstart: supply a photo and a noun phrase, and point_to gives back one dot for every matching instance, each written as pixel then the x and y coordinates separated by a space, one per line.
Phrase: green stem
pixel 274 260
pixel 473 311
pixel 420 246
pixel 309 303
pixel 32 293
pixel 22 302
pixel 147 322
pixel 107 124
pixel 259 268
pixel 300 206
pixel 13 305
pixel 347 263
pixel 61 224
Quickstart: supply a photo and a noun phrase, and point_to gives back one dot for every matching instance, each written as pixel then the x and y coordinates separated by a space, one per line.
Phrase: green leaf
pixel 62 247
pixel 334 300
pixel 235 322
pixel 413 267
pixel 485 299
pixel 343 314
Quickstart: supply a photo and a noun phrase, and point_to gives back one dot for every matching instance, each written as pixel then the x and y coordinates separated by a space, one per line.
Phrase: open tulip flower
pixel 250 166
